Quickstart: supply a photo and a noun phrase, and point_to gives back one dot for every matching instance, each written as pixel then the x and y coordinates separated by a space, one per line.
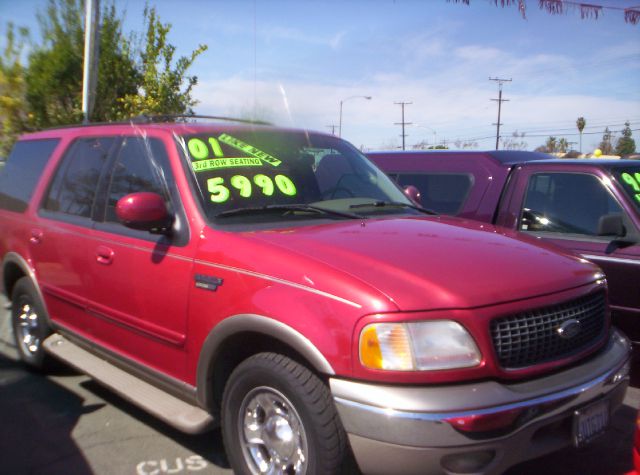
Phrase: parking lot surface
pixel 65 423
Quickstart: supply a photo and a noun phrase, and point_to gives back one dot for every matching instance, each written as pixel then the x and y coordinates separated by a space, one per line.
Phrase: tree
pixel 581 123
pixel 465 144
pixel 606 147
pixel 161 87
pixel 515 142
pixel 13 111
pixel 626 145
pixel 54 75
pixel 551 145
pixel 563 145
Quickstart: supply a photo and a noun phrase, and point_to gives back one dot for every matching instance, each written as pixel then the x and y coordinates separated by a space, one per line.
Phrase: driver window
pixel 133 172
pixel 570 203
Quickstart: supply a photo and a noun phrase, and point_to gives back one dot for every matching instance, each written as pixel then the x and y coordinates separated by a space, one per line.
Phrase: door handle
pixel 36 236
pixel 104 255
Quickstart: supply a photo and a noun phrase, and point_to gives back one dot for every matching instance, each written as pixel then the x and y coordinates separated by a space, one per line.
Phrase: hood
pixel 435 263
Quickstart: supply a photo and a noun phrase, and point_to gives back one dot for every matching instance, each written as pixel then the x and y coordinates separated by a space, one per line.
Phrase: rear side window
pixel 73 189
pixel 21 173
pixel 444 193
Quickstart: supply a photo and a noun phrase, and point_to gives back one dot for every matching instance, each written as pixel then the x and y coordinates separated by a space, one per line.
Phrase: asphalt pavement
pixel 65 423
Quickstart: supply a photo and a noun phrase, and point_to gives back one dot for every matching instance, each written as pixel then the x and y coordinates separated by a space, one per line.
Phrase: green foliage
pixel 13 110
pixel 164 87
pixel 48 91
pixel 606 146
pixel 626 145
pixel 54 75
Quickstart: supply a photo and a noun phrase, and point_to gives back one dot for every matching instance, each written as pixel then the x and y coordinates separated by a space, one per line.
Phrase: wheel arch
pixel 14 267
pixel 241 336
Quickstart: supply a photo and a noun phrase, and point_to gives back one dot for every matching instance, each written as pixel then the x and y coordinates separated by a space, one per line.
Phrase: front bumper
pixel 404 429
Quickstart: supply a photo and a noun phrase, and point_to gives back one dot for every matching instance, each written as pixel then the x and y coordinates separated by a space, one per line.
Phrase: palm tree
pixel 581 123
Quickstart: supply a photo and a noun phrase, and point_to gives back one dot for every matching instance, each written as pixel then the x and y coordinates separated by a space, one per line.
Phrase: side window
pixel 73 189
pixel 443 193
pixel 142 165
pixel 570 203
pixel 21 173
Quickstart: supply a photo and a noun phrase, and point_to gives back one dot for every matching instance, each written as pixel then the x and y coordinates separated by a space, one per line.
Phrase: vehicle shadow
pixel 37 417
pixel 208 445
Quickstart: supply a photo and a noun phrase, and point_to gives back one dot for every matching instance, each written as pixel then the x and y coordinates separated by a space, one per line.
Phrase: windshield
pixel 629 178
pixel 275 175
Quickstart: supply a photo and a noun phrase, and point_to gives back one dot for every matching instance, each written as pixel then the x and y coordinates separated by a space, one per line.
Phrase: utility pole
pixel 500 100
pixel 333 128
pixel 403 123
pixel 91 51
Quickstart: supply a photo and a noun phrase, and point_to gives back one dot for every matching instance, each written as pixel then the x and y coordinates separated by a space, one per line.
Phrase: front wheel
pixel 279 418
pixel 30 327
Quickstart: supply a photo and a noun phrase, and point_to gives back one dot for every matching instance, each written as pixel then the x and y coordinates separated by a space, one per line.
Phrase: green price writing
pixel 220 192
pixel 634 182
pixel 199 149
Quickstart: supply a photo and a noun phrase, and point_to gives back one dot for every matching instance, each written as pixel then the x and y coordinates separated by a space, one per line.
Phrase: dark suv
pixel 277 283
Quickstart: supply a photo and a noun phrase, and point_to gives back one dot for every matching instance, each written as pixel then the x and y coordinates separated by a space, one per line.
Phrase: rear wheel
pixel 279 418
pixel 30 327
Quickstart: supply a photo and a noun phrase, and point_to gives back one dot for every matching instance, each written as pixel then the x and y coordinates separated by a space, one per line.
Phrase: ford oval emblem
pixel 569 329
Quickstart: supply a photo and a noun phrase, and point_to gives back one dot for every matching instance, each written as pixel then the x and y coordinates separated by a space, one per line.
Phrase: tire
pixel 278 415
pixel 30 324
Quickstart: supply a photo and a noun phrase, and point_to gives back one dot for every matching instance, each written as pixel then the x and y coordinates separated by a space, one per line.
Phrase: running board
pixel 175 412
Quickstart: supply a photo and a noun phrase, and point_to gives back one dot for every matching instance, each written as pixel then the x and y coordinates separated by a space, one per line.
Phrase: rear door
pixel 59 240
pixel 564 206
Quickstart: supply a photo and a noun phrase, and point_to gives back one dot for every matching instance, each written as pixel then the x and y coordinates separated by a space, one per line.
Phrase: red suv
pixel 277 283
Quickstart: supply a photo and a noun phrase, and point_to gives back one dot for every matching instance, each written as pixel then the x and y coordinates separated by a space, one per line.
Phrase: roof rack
pixel 147 119
pixel 172 117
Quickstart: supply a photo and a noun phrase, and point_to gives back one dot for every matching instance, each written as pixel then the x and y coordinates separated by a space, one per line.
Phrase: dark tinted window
pixel 74 187
pixel 571 203
pixel 19 176
pixel 263 170
pixel 444 193
pixel 141 166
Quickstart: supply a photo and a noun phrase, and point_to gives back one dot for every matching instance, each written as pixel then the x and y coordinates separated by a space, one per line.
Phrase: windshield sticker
pixel 216 163
pixel 243 186
pixel 634 182
pixel 249 149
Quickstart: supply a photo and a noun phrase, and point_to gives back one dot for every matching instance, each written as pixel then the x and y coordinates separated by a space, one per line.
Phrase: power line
pixel 500 100
pixel 403 123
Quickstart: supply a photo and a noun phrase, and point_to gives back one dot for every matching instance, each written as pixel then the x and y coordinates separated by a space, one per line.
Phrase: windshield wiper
pixel 289 207
pixel 382 204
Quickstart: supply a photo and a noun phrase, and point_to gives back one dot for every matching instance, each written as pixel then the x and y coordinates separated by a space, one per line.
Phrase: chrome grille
pixel 531 337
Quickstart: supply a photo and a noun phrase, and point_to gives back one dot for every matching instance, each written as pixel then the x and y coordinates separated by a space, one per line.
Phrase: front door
pixel 140 281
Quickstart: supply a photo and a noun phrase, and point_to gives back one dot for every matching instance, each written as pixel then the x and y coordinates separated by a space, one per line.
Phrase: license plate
pixel 590 422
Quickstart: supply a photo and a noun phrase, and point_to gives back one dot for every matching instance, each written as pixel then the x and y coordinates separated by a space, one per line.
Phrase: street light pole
pixel 343 101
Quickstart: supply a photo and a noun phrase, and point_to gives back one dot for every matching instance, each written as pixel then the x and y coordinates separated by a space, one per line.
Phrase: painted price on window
pixel 634 182
pixel 220 190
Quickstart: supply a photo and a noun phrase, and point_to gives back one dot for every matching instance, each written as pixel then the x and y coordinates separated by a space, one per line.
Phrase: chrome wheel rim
pixel 28 328
pixel 271 433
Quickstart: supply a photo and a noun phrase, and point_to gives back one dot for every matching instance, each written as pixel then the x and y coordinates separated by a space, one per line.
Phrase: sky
pixel 293 62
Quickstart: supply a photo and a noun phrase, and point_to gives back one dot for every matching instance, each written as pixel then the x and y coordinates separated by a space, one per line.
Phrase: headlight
pixel 417 346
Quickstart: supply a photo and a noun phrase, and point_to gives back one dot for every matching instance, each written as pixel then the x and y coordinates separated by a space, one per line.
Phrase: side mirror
pixel 413 193
pixel 144 211
pixel 611 225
